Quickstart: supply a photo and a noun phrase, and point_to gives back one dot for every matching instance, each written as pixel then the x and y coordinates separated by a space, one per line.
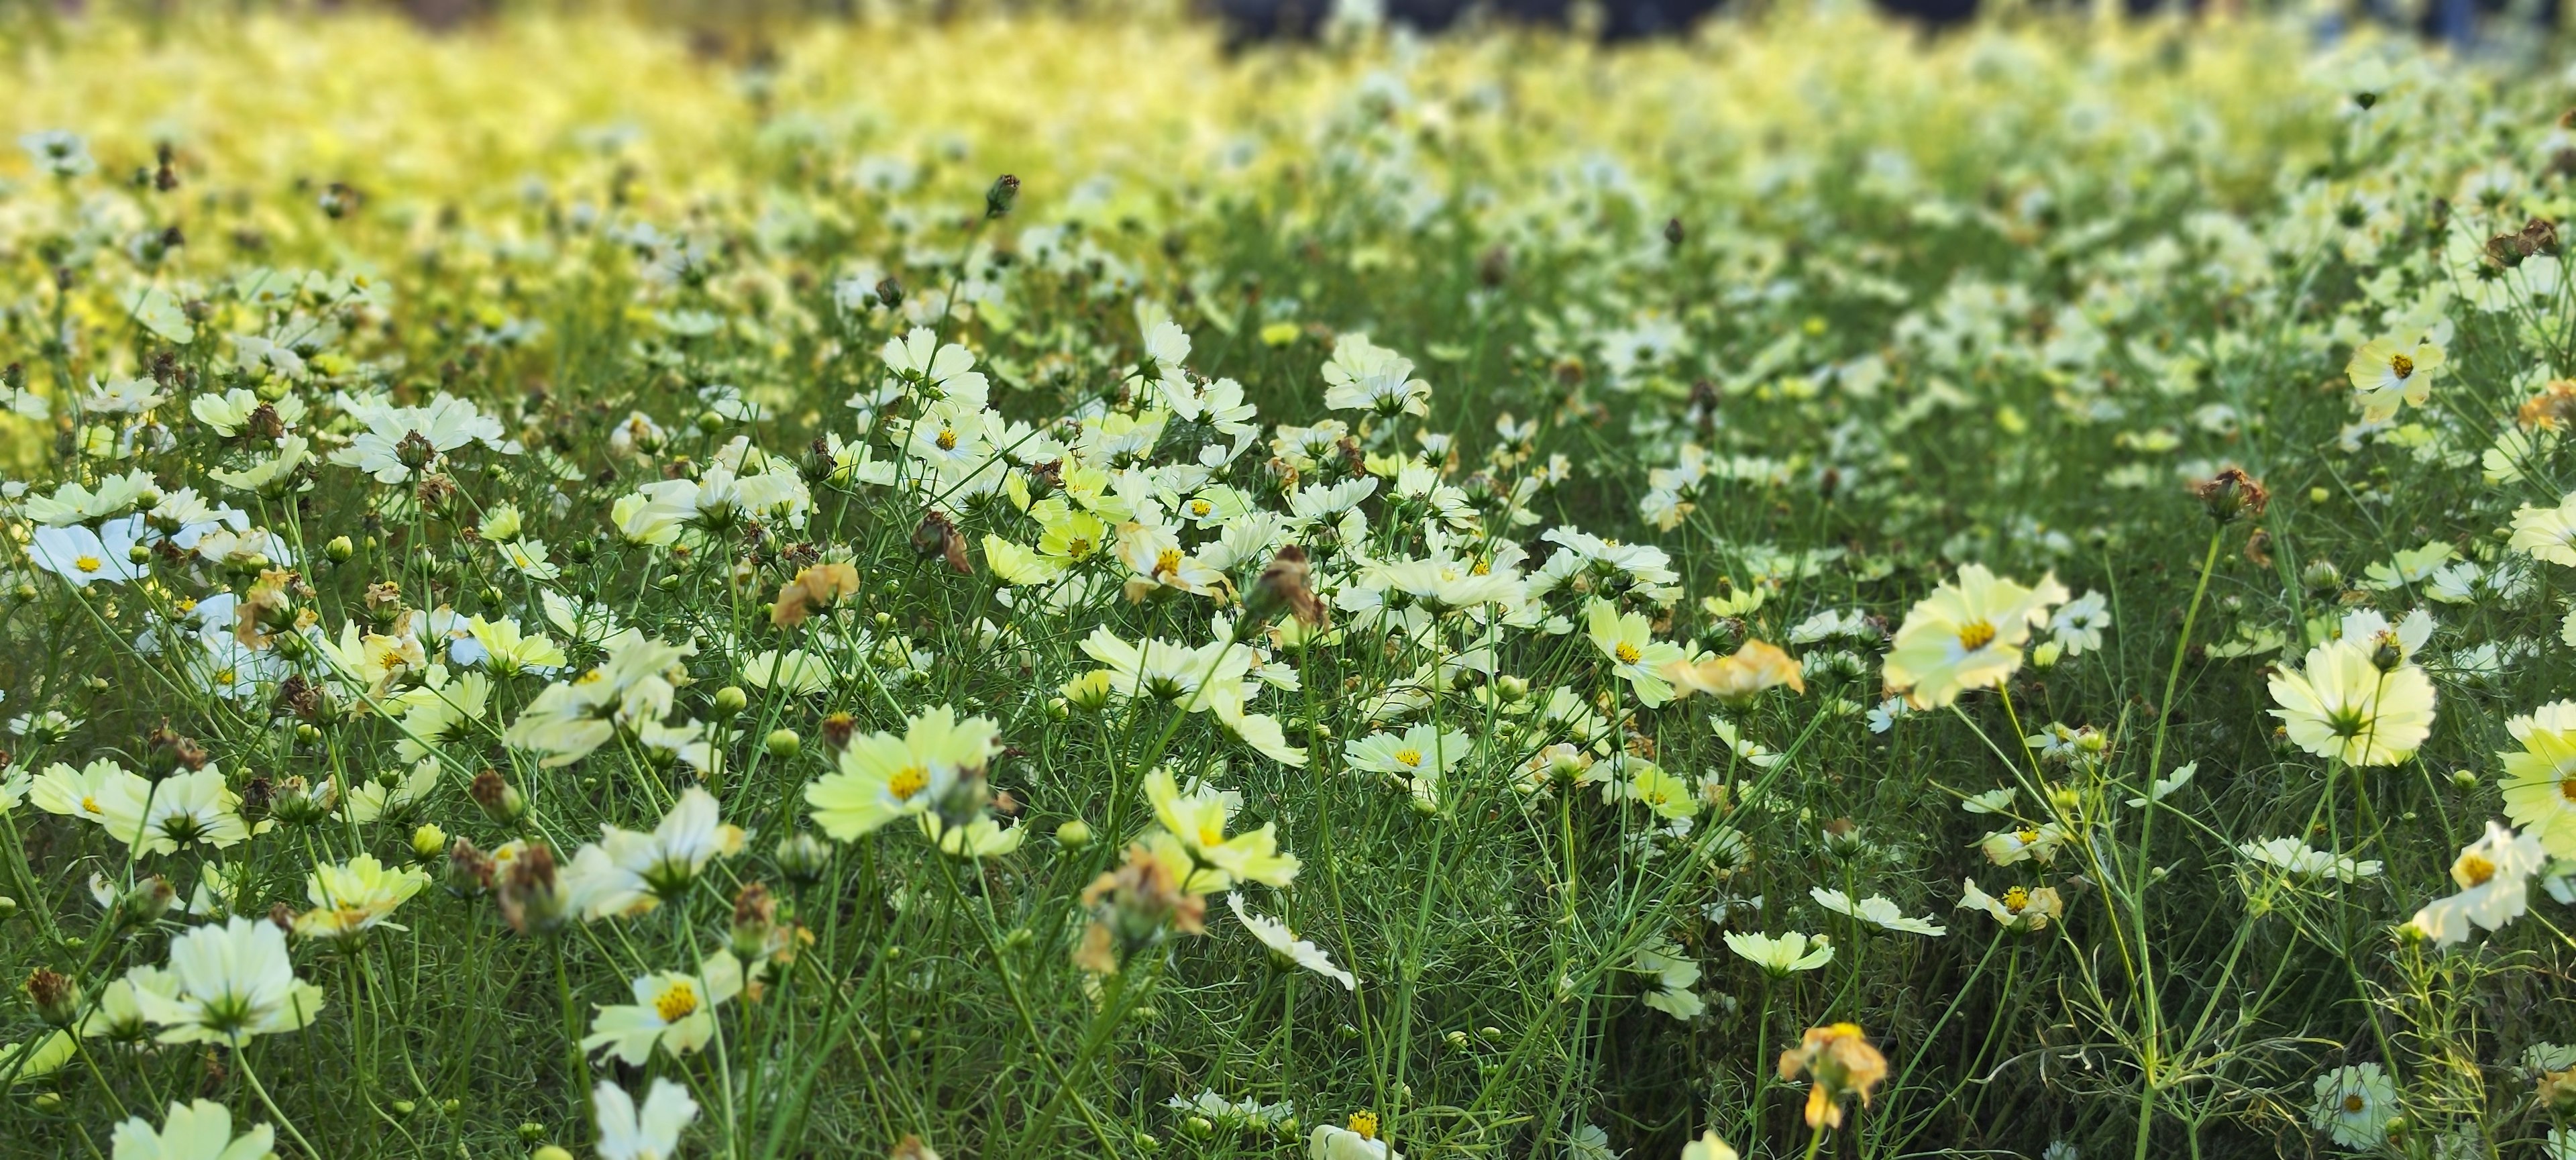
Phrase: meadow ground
pixel 1029 587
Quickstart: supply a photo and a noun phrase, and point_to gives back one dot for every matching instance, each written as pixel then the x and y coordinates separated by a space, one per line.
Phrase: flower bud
pixel 1002 196
pixel 428 843
pixel 340 549
pixel 57 998
pixel 730 700
pixel 1073 835
pixel 782 743
pixel 804 858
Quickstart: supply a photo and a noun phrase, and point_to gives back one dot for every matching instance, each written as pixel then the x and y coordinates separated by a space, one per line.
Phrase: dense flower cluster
pixel 570 590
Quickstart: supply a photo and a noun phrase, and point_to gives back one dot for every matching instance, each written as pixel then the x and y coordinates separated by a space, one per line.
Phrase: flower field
pixel 1040 585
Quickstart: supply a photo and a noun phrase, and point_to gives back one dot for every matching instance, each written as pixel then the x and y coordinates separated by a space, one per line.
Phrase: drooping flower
pixel 1839 1062
pixel 1739 678
pixel 2494 876
pixel 1192 843
pixel 1878 910
pixel 1781 956
pixel 1284 943
pixel 2020 908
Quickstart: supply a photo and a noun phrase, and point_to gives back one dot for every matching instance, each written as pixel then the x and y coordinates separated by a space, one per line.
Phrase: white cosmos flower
pixel 80 555
pixel 199 1130
pixel 651 1132
pixel 1877 909
pixel 1285 943
pixel 2494 876
pixel 625 872
pixel 233 982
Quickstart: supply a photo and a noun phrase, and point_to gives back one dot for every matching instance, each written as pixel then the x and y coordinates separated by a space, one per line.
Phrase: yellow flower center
pixel 2025 837
pixel 1976 634
pixel 1212 833
pixel 1483 568
pixel 907 781
pixel 1626 652
pixel 1168 560
pixel 224 676
pixel 676 1002
pixel 1408 757
pixel 1078 547
pixel 90 805
pixel 89 563
pixel 1364 1124
pixel 2473 870
pixel 1200 507
pixel 2353 1103
pixel 2016 898
pixel 947 439
pixel 2567 790
pixel 2400 365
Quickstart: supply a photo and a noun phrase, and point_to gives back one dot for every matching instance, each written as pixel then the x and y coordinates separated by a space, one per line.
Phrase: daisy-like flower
pixel 2020 908
pixel 1418 759
pixel 1878 910
pixel 625 872
pixel 1284 943
pixel 1155 561
pixel 981 837
pixel 2024 844
pixel 2540 780
pixel 184 809
pixel 1675 973
pixel 1364 376
pixel 1966 635
pixel 89 792
pixel 2078 627
pixel 231 982
pixel 81 556
pixel 2354 1105
pixel 1781 956
pixel 2494 876
pixel 401 440
pixel 1635 655
pixel 651 1132
pixel 1358 1141
pixel 2386 375
pixel 881 777
pixel 2546 533
pixel 1209 678
pixel 673 1010
pixel 1194 848
pixel 2293 857
pixel 199 1130
pixel 355 896
pixel 2345 706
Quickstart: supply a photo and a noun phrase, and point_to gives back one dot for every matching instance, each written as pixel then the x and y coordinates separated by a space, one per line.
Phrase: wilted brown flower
pixel 1288 583
pixel 1840 1062
pixel 531 892
pixel 936 537
pixel 1130 908
pixel 812 590
pixel 2232 494
pixel 1736 679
